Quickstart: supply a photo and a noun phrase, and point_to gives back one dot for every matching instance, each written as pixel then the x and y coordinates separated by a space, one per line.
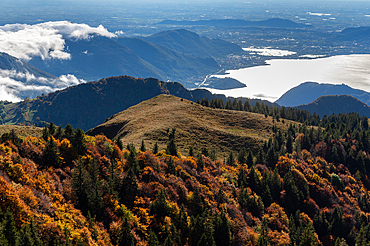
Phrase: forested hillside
pixel 304 186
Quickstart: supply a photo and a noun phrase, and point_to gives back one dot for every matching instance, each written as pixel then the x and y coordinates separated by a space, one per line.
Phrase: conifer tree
pixel 132 161
pixel 52 128
pixel 241 155
pixel 308 236
pixel 113 180
pixel 263 239
pixel 9 229
pixel 129 188
pixel 230 160
pixel 250 161
pixel 25 238
pixel 80 185
pixel 51 154
pixel 69 132
pixel 242 178
pixel 45 133
pixel 155 148
pixel 200 162
pixel 222 233
pixel 142 147
pixel 95 192
pixel 59 132
pixel 191 151
pixel 153 239
pixel 119 143
pixel 78 141
pixel 125 236
pixel 172 148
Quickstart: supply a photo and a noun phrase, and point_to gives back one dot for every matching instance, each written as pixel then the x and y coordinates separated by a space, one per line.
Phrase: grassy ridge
pixel 198 126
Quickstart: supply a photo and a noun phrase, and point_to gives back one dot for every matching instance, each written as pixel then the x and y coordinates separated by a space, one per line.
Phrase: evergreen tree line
pixel 289 113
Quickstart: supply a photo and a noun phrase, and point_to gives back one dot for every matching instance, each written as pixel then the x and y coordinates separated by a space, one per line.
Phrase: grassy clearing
pixel 21 131
pixel 197 126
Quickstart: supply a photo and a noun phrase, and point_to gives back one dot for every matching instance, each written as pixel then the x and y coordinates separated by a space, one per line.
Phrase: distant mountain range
pixel 187 42
pixel 275 22
pixel 357 34
pixel 336 104
pixel 177 55
pixel 309 91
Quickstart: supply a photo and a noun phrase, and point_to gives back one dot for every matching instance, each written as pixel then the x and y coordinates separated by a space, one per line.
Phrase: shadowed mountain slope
pixel 191 43
pixel 309 91
pixel 327 105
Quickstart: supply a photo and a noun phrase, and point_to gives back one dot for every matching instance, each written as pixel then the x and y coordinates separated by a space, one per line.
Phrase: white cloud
pixel 45 40
pixel 14 85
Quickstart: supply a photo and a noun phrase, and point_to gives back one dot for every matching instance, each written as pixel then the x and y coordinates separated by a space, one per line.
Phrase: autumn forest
pixel 307 185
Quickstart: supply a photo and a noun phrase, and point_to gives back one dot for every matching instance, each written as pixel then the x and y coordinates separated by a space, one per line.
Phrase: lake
pixel 273 80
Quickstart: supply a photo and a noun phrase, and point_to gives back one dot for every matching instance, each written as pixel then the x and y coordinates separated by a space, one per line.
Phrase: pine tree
pixel 222 233
pixel 129 188
pixel 119 143
pixel 230 160
pixel 153 239
pixel 113 180
pixel 242 178
pixel 250 161
pixel 241 156
pixel 191 151
pixel 142 147
pixel 155 148
pixel 125 236
pixel 80 185
pixel 263 239
pixel 52 128
pixel 172 148
pixel 78 141
pixel 35 234
pixel 308 236
pixel 132 161
pixel 59 132
pixel 200 162
pixel 69 132
pixel 25 238
pixel 95 195
pixel 45 133
pixel 51 154
pixel 9 229
pixel 289 143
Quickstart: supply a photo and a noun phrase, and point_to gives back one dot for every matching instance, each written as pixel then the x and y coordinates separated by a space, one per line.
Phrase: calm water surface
pixel 273 80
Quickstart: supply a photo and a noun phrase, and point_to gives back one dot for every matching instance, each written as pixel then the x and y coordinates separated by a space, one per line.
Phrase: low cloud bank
pixel 45 40
pixel 15 86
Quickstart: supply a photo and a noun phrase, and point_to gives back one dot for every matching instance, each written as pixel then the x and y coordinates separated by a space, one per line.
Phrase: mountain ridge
pixel 89 104
pixel 336 104
pixel 274 22
pixel 308 92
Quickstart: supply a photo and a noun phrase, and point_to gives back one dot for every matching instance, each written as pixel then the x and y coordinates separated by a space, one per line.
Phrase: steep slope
pixel 191 43
pixel 197 126
pixel 177 66
pixel 309 91
pixel 89 104
pixel 8 62
pixel 19 80
pixel 334 104
pixel 99 57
